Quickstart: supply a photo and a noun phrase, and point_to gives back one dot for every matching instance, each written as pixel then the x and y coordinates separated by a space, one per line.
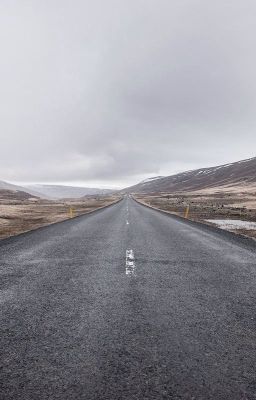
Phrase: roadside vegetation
pixel 222 208
pixel 20 213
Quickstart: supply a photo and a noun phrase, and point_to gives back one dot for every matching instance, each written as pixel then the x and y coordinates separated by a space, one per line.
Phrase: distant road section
pixel 127 303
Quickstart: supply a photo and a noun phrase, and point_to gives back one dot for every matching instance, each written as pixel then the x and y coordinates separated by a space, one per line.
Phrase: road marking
pixel 130 267
pixel 127 215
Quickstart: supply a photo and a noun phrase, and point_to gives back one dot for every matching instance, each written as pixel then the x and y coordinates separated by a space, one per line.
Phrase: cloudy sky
pixel 111 92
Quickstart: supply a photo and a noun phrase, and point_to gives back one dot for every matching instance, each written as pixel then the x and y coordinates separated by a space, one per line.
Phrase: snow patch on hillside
pixel 154 178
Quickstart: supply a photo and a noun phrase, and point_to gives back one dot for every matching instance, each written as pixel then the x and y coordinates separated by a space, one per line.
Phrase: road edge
pixel 3 241
pixel 244 240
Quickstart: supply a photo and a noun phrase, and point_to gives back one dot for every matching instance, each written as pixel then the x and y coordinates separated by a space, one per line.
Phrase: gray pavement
pixel 127 303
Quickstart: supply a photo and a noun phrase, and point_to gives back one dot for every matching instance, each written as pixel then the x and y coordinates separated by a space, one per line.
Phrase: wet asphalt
pixel 77 324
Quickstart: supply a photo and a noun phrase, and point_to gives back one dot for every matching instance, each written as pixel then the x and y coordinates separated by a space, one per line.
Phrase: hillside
pixel 16 188
pixel 54 192
pixel 15 195
pixel 241 173
pixel 62 192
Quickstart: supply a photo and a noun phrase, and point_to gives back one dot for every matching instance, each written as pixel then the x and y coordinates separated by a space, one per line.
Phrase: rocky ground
pixel 210 205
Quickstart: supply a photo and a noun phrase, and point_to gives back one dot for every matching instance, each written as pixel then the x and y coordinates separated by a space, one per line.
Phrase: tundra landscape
pixel 127 200
pixel 223 196
pixel 21 212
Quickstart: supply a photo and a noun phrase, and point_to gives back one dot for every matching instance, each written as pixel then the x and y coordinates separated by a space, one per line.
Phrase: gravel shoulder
pixel 231 211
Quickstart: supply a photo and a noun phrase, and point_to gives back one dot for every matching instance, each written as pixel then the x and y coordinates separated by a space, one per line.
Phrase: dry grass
pixel 205 205
pixel 21 216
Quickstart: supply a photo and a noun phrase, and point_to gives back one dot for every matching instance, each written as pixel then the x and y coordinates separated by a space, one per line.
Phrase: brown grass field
pixel 18 216
pixel 208 204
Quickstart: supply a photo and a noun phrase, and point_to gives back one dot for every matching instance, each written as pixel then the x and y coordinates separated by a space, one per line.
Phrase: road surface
pixel 127 303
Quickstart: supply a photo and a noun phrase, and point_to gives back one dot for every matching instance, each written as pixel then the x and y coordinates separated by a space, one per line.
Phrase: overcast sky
pixel 111 92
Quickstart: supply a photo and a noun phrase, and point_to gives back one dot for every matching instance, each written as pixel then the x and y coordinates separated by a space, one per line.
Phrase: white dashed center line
pixel 130 269
pixel 127 216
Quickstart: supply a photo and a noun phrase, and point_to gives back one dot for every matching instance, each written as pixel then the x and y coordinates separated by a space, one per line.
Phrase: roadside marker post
pixel 187 212
pixel 71 212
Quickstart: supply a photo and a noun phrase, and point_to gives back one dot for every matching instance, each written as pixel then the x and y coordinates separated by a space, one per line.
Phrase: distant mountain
pixel 52 192
pixel 9 186
pixel 64 192
pixel 17 195
pixel 234 174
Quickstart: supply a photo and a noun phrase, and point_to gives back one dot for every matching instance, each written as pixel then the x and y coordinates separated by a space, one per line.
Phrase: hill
pixel 240 173
pixel 62 192
pixel 16 188
pixel 15 195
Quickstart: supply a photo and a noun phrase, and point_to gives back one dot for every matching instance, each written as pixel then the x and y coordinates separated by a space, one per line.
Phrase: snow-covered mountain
pixel 233 174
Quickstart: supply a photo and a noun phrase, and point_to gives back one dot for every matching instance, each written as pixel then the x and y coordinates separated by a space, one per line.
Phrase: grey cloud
pixel 112 91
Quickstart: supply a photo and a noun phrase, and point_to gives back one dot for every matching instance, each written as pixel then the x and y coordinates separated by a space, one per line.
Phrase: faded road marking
pixel 130 269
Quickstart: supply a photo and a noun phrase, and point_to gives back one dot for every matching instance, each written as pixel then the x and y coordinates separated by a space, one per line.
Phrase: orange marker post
pixel 187 212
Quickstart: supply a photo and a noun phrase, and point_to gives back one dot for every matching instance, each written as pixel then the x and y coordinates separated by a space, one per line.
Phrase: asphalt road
pixel 127 303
